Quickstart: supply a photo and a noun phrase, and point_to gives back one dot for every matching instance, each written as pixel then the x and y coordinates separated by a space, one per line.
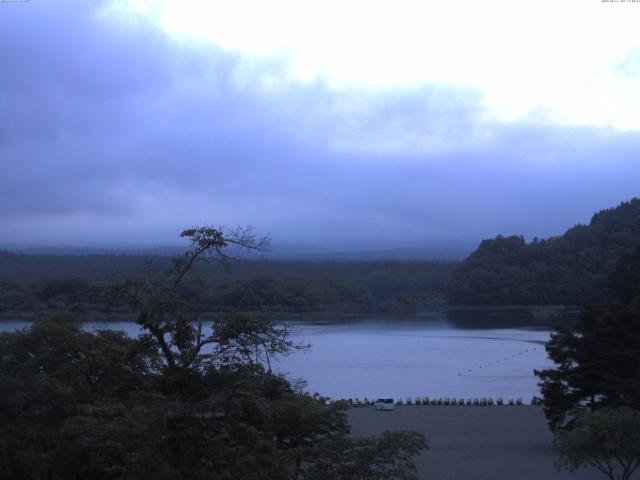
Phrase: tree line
pixel 571 269
pixel 82 285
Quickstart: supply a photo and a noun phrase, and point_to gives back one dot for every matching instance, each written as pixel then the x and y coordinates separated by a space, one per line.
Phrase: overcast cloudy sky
pixel 340 125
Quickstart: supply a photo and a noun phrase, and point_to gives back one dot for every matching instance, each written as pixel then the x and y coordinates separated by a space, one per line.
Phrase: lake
pixel 420 356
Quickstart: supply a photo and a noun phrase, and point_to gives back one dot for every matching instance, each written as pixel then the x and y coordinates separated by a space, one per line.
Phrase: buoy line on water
pixel 447 401
pixel 496 362
pixel 438 401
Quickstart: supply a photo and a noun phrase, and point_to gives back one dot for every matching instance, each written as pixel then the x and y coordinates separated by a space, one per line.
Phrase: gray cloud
pixel 113 132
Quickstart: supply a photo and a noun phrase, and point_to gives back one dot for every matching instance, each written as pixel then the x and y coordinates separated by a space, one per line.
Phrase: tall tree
pixel 598 364
pixel 171 320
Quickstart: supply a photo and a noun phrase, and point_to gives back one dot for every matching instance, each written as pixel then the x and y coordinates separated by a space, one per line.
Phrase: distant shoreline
pixel 518 315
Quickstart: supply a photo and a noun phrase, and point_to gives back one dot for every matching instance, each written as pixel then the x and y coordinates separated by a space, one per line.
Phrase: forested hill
pixel 39 285
pixel 572 269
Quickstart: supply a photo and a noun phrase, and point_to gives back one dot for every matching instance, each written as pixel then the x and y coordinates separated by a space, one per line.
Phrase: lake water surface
pixel 400 358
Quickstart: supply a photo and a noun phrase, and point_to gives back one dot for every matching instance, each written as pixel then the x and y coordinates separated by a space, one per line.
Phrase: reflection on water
pixel 513 317
pixel 424 355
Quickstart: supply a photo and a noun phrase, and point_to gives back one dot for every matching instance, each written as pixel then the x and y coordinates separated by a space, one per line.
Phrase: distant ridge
pixel 571 269
pixel 80 250
pixel 455 250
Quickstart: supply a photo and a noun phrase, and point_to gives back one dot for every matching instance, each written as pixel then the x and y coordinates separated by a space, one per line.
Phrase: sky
pixel 327 125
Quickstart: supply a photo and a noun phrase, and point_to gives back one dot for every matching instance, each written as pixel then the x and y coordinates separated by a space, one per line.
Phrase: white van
pixel 384 404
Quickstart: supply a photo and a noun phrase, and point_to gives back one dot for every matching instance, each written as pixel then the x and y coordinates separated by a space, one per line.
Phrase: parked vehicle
pixel 384 404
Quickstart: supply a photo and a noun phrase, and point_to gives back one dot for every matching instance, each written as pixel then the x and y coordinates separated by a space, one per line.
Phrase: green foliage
pixel 176 403
pixel 597 364
pixel 77 404
pixel 63 389
pixel 81 285
pixel 606 439
pixel 386 457
pixel 570 270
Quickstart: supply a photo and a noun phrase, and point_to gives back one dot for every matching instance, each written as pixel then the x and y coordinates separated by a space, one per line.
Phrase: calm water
pixel 399 358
